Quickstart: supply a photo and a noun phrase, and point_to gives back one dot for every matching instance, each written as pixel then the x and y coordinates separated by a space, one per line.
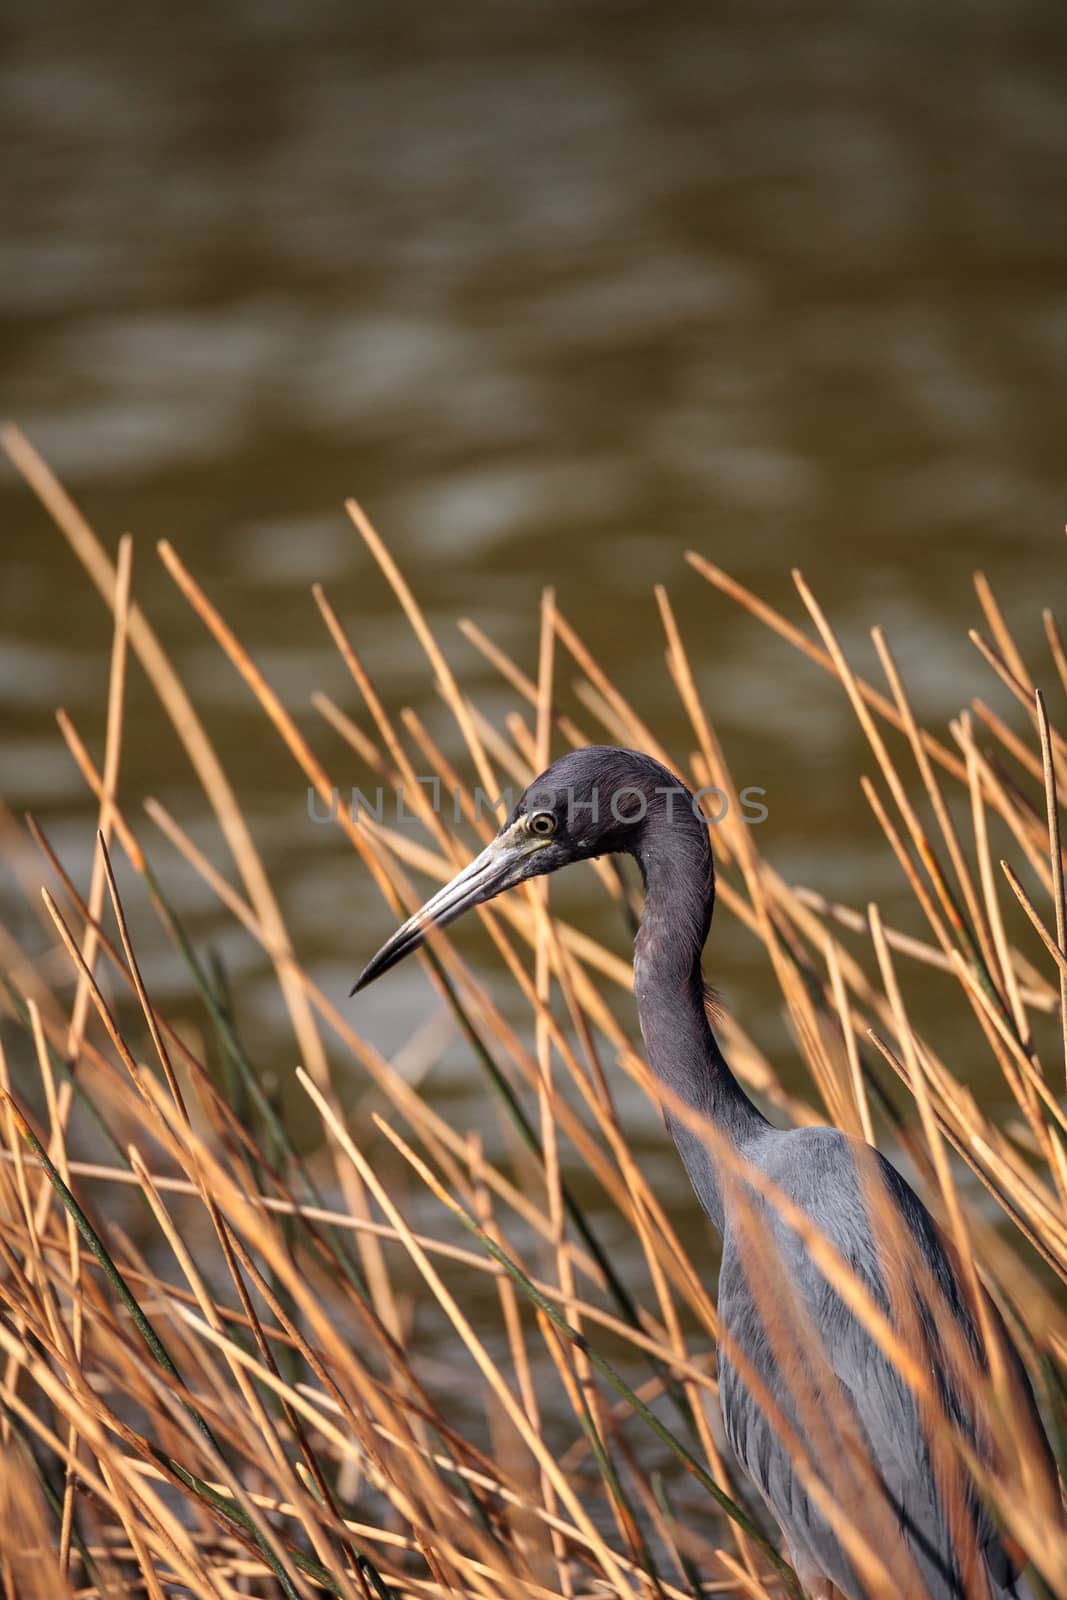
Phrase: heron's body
pixel 905 1519
pixel 817 1414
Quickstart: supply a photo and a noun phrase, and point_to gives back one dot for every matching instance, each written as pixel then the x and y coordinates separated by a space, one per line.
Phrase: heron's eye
pixel 543 823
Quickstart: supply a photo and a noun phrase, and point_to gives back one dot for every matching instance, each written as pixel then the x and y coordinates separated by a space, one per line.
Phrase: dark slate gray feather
pixel 855 1427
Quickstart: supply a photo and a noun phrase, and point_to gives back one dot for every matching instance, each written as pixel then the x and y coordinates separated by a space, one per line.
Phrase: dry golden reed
pixel 236 1402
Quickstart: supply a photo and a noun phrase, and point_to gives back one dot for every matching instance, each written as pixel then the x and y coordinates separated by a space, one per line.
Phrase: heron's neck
pixel 676 863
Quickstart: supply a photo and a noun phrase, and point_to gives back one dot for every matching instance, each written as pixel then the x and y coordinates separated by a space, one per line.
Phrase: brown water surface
pixel 559 291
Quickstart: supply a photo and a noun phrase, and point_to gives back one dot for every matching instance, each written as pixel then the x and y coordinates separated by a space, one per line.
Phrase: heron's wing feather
pixel 844 1400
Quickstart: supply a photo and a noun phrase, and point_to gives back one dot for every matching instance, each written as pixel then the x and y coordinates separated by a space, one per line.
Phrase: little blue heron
pixel 602 800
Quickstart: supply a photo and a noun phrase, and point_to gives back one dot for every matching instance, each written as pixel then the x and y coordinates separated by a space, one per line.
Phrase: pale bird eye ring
pixel 543 823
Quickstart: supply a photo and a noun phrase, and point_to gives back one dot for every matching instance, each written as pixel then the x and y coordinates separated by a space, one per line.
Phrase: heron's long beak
pixel 503 862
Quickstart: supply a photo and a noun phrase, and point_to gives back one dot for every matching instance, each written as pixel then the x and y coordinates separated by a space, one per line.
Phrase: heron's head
pixel 587 803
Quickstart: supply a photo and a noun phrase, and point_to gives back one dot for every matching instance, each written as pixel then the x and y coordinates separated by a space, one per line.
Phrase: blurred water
pixel 558 291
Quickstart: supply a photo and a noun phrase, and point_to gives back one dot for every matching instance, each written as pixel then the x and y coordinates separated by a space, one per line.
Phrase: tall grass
pixel 237 1403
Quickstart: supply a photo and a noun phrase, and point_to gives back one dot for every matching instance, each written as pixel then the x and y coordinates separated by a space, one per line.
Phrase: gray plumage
pixel 789 1345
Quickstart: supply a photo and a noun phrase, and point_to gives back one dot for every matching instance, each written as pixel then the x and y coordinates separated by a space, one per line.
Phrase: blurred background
pixel 558 291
